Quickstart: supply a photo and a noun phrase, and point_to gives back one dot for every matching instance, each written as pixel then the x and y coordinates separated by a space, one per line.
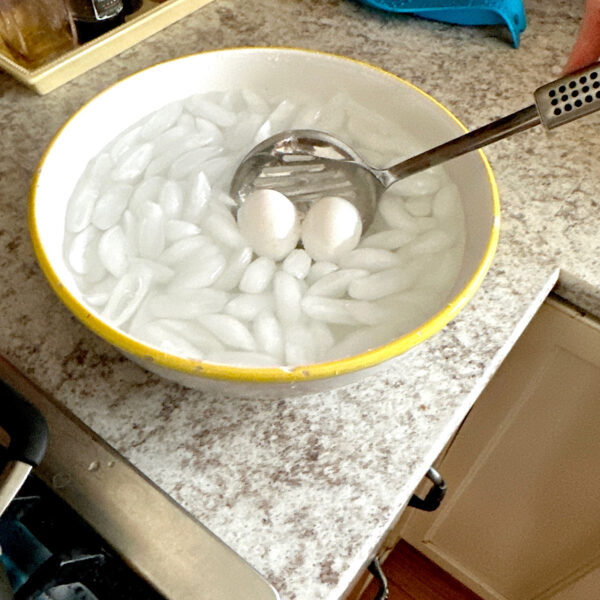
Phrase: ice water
pixel 153 240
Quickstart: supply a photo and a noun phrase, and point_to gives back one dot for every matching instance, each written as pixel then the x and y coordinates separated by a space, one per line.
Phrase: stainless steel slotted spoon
pixel 306 165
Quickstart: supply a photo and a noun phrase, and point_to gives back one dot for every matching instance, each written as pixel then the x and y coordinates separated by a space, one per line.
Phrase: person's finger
pixel 587 46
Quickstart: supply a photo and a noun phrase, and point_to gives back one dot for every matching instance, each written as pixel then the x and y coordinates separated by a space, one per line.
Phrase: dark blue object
pixel 22 552
pixel 463 12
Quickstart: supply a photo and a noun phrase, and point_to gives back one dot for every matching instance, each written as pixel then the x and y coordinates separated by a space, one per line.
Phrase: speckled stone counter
pixel 305 489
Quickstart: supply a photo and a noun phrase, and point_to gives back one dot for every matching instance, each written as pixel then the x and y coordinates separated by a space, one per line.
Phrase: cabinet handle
pixel 375 569
pixel 435 495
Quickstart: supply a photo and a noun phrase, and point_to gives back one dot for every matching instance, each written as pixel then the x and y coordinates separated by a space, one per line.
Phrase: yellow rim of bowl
pixel 263 374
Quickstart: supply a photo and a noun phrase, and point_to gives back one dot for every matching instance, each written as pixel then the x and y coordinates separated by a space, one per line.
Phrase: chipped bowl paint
pixel 273 71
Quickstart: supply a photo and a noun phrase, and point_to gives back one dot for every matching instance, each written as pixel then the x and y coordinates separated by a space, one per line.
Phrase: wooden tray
pixel 151 17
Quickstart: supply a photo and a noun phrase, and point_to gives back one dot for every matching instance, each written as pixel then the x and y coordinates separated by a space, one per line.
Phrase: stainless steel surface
pixel 307 165
pixel 174 552
pixel 11 480
pixel 569 97
pixel 383 593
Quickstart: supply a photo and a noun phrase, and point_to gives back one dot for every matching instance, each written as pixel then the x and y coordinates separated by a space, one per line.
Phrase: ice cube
pixel 233 101
pixel 332 116
pixel 219 169
pixel 369 313
pixel 419 206
pixel 81 205
pixel 167 340
pixel 164 160
pixel 329 310
pixel 124 143
pixel 248 306
pixel 446 203
pixel 187 121
pixel 224 230
pixel 127 295
pixel 160 120
pixel 197 200
pixel 288 295
pixel 83 251
pixel 160 273
pixel 188 305
pixel 87 190
pixel 268 333
pixel 382 283
pixel 426 223
pixel 151 232
pixel 299 346
pixel 200 275
pixel 320 269
pixel 130 228
pixel 297 263
pixel 166 141
pixel 192 332
pixel 370 133
pixel 392 208
pixel 132 164
pixel 255 103
pixel 242 134
pixel 391 239
pixel 425 183
pixel 110 205
pixel 236 265
pixel 278 120
pixel 170 199
pixel 443 273
pixel 229 330
pixel 370 259
pixel 200 106
pixel 112 251
pixel 191 161
pixel 335 284
pixel 182 249
pixel 258 275
pixel 146 191
pixel 176 230
pixel 432 241
pixel 322 339
pixel 97 294
pixel 209 132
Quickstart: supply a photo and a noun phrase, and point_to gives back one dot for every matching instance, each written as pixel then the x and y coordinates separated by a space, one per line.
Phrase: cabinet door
pixel 521 520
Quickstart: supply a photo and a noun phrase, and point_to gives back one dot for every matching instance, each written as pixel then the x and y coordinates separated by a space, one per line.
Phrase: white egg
pixel 269 223
pixel 332 228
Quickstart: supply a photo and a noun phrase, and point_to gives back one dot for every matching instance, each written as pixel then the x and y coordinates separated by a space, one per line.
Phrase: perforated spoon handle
pixel 556 103
pixel 492 132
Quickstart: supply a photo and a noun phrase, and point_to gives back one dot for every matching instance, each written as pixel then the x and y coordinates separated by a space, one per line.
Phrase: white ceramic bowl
pixel 268 71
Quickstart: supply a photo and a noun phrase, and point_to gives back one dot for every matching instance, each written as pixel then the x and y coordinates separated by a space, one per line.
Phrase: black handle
pixel 25 425
pixel 435 495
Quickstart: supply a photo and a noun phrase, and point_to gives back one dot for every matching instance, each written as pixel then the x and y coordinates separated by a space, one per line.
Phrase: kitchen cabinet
pixel 521 520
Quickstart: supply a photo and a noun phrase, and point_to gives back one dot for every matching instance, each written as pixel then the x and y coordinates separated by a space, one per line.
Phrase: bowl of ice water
pixel 135 230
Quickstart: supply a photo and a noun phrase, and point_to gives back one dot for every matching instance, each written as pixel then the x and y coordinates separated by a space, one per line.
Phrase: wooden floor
pixel 412 576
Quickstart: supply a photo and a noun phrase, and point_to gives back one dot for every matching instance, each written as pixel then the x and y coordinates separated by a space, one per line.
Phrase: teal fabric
pixel 463 12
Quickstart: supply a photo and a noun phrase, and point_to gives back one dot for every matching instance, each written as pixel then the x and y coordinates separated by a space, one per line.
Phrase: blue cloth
pixel 463 12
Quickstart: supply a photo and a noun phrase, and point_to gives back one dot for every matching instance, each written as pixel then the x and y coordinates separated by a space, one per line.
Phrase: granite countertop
pixel 306 488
